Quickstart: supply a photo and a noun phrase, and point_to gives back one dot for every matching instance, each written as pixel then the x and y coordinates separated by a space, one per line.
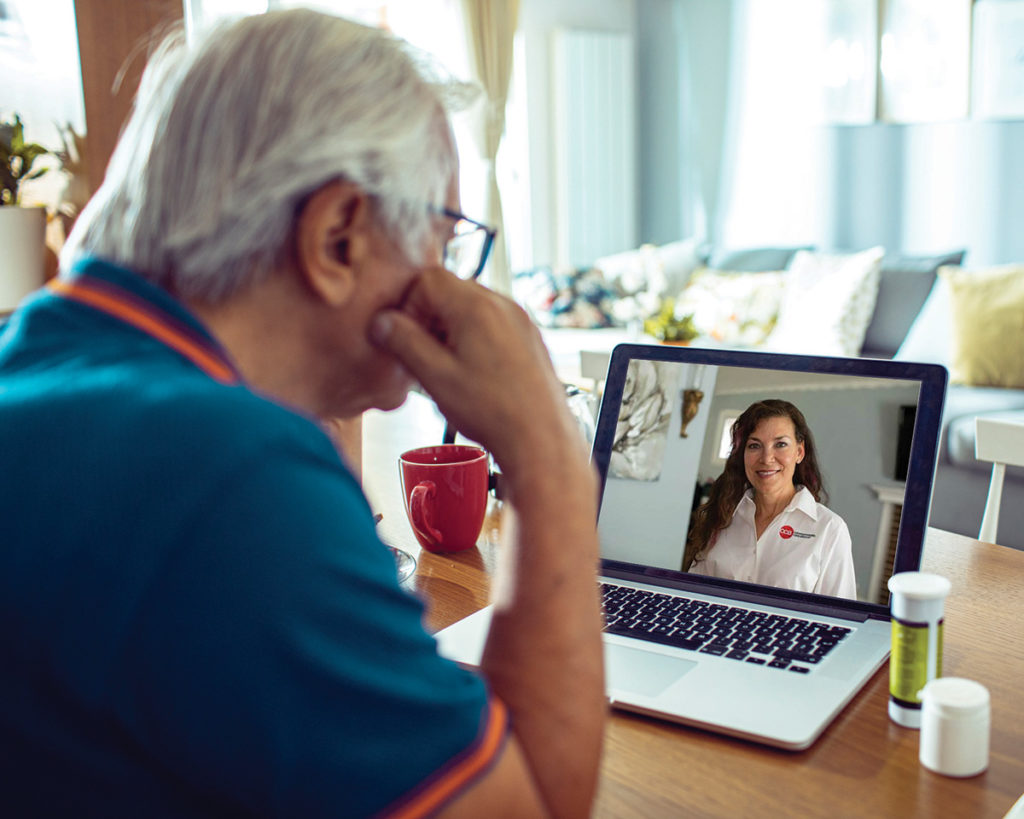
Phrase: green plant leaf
pixel 667 327
pixel 29 155
pixel 16 160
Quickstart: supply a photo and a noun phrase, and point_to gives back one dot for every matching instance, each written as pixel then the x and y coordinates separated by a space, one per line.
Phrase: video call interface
pixel 673 439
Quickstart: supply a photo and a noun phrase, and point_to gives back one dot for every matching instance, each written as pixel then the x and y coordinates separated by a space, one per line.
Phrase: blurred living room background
pixel 706 161
pixel 742 123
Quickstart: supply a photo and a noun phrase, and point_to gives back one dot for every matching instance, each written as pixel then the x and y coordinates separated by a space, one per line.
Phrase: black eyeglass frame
pixel 489 232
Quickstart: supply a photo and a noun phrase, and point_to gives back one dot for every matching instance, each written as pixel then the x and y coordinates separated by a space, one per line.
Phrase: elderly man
pixel 197 616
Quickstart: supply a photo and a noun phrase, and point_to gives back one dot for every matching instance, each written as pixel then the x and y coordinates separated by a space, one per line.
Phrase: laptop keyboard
pixel 759 637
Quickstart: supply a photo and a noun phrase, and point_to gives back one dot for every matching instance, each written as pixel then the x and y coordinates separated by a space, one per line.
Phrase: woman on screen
pixel 765 520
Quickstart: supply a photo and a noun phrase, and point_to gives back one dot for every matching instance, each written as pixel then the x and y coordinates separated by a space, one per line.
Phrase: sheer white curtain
pixel 490 27
pixel 799 68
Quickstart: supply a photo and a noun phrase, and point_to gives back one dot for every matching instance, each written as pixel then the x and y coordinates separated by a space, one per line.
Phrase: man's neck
pixel 262 330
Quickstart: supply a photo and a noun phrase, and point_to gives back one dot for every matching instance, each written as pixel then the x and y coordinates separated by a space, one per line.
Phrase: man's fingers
pixel 419 351
pixel 437 295
pixel 478 356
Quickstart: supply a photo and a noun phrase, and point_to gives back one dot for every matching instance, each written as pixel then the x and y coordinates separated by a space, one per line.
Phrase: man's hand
pixel 481 359
pixel 483 362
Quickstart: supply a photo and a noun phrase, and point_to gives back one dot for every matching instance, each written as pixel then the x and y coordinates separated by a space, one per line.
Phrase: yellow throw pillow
pixel 988 325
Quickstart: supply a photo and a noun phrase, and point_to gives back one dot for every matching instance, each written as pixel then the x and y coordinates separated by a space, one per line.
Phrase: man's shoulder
pixel 233 411
pixel 230 423
pixel 156 409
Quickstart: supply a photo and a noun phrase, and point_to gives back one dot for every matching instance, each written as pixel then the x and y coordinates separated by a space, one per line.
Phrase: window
pixel 39 48
pixel 726 419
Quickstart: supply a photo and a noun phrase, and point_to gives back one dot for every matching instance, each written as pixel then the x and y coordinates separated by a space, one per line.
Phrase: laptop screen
pixel 858 437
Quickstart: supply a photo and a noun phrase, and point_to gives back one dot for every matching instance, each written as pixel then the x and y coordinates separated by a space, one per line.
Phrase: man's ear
pixel 331 239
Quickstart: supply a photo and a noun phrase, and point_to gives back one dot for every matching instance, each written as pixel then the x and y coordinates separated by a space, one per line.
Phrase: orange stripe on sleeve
pixel 195 353
pixel 465 769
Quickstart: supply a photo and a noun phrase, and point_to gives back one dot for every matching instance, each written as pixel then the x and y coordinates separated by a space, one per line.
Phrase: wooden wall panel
pixel 114 35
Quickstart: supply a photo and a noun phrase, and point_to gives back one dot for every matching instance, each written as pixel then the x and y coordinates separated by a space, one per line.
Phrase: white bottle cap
pixel 918 595
pixel 919 585
pixel 955 726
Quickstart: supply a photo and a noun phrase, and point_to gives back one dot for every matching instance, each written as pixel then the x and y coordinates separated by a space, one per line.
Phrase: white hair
pixel 232 132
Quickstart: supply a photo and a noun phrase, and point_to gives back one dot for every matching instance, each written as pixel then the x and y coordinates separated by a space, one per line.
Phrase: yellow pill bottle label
pixel 908 663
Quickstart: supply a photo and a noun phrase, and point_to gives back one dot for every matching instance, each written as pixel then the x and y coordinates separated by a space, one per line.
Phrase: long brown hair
pixel 714 515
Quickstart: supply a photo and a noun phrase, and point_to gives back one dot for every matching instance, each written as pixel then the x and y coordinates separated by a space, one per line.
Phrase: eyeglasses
pixel 466 252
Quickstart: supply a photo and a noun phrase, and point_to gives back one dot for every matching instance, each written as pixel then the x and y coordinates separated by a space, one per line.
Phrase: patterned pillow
pixel 736 308
pixel 828 303
pixel 571 298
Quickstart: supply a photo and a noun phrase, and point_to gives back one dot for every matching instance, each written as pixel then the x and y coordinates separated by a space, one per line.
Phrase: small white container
pixel 23 253
pixel 955 726
pixel 918 601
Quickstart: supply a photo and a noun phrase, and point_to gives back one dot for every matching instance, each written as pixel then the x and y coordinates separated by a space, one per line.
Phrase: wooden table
pixel 864 765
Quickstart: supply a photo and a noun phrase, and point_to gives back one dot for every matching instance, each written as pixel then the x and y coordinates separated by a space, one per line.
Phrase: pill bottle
pixel 918 599
pixel 955 727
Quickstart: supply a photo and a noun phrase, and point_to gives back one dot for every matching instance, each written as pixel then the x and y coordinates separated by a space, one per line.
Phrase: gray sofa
pixel 911 322
pixel 961 480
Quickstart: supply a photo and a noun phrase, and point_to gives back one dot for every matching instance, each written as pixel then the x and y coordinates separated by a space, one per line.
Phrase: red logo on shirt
pixel 786 532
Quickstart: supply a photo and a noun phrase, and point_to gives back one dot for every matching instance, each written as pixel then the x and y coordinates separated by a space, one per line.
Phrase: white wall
pixel 647 521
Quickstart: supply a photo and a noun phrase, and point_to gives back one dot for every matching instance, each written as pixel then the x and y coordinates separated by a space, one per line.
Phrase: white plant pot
pixel 22 253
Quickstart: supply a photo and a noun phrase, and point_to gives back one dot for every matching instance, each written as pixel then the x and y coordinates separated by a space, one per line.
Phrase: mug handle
pixel 419 514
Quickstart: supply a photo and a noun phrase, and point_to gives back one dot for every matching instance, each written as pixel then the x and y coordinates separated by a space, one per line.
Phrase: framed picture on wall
pixel 924 62
pixel 642 431
pixel 997 75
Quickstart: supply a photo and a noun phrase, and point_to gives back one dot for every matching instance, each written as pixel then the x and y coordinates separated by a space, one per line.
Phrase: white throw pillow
pixel 828 303
pixel 929 338
pixel 659 271
pixel 678 262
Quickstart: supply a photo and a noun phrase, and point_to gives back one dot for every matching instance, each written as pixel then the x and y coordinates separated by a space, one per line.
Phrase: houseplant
pixel 669 327
pixel 22 229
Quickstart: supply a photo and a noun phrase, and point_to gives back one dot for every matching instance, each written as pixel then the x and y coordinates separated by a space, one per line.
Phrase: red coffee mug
pixel 445 491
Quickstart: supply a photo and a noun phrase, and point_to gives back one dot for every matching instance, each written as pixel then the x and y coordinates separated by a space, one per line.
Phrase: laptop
pixel 774 656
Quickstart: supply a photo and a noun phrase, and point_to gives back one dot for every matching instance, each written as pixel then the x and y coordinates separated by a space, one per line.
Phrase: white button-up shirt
pixel 807 548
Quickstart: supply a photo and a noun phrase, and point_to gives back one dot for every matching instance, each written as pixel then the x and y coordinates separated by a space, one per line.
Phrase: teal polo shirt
pixel 196 614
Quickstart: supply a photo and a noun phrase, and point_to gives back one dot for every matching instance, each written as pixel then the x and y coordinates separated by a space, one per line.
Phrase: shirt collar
pixel 802 501
pixel 129 298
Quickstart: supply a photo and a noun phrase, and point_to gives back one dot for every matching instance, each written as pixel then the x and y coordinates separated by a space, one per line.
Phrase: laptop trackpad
pixel 642 672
